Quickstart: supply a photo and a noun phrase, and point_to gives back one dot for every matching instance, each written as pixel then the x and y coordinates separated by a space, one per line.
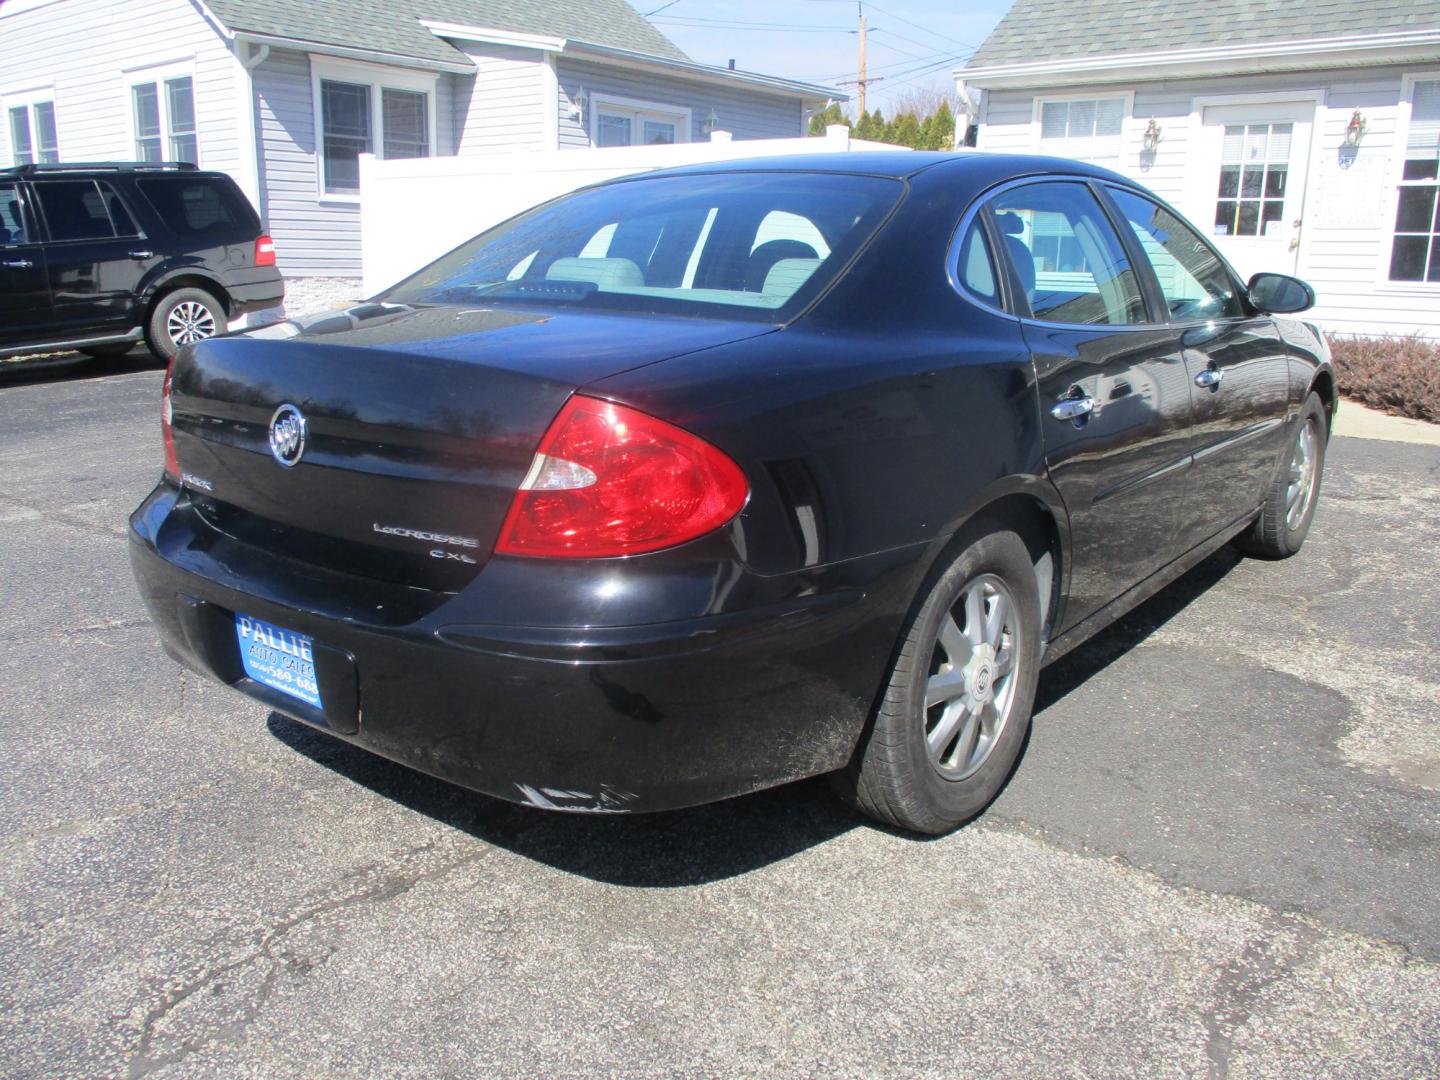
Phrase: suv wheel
pixel 183 317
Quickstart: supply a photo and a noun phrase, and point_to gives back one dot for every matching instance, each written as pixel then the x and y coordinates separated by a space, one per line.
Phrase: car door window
pixel 12 217
pixel 1068 258
pixel 74 210
pixel 1193 278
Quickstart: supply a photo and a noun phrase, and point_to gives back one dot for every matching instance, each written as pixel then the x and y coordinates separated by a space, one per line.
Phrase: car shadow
pixel 709 843
pixel 671 849
pixel 71 366
pixel 1117 639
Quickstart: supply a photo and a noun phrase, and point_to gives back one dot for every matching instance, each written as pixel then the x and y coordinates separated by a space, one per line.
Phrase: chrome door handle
pixel 1072 408
pixel 1210 378
pixel 19 264
pixel 142 254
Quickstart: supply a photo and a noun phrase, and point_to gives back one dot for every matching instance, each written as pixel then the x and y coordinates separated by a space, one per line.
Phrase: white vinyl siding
pixel 1345 242
pixel 85 51
pixel 502 106
pixel 746 114
pixel 311 236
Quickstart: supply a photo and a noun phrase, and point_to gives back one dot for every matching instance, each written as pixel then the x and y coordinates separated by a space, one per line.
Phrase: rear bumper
pixel 640 717
pixel 254 289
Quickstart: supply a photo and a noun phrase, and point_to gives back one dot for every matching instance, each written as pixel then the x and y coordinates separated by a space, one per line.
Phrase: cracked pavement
pixel 1220 857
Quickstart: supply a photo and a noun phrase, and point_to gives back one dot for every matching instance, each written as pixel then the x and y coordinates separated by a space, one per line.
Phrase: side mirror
pixel 1280 294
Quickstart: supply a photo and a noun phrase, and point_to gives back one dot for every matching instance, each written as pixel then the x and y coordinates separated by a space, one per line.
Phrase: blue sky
pixel 912 43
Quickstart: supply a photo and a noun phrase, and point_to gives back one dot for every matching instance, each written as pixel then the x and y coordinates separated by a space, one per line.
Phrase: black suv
pixel 96 256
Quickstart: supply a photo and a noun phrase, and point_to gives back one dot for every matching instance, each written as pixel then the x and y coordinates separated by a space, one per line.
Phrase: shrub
pixel 1398 374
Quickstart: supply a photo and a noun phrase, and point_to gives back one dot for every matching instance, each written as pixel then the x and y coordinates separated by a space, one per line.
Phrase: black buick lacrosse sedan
pixel 702 481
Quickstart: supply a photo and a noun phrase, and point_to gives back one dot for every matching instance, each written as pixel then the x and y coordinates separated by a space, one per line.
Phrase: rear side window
pixel 199 208
pixel 1192 277
pixel 976 267
pixel 77 210
pixel 1069 260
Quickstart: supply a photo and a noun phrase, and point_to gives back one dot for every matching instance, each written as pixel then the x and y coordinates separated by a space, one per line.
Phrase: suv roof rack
pixel 99 166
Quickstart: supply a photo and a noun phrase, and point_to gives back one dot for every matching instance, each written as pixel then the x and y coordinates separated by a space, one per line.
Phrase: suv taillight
pixel 264 251
pixel 608 480
pixel 167 431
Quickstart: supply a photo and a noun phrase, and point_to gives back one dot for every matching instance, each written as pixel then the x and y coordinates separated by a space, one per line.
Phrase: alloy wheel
pixel 1301 488
pixel 188 322
pixel 971 687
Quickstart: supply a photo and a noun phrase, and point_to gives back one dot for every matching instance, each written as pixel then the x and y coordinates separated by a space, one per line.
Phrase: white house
pixel 285 95
pixel 1303 136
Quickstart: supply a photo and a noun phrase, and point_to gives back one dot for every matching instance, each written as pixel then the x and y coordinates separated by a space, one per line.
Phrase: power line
pixel 929 30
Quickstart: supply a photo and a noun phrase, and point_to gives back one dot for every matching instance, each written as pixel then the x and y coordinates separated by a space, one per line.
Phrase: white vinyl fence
pixel 412 211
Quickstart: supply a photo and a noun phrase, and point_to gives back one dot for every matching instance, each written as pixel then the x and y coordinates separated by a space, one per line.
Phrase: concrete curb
pixel 1356 421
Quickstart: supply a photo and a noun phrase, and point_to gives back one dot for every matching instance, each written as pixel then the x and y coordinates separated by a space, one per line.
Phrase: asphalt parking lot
pixel 1220 856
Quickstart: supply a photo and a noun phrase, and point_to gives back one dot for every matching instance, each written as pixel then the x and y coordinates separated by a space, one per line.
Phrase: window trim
pixel 159 74
pixel 1394 176
pixel 1127 116
pixel 377 77
pixel 29 98
pixel 614 103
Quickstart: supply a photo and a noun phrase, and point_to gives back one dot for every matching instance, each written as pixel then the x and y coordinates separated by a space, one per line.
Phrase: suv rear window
pixel 200 208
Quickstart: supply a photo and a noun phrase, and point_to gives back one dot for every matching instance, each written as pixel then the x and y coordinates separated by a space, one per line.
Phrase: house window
pixel 624 123
pixel 165 120
pixel 1254 163
pixel 32 133
pixel 1088 129
pixel 365 117
pixel 1416 252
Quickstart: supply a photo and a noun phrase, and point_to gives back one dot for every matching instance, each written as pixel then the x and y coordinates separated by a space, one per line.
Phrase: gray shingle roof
pixel 392 26
pixel 1063 29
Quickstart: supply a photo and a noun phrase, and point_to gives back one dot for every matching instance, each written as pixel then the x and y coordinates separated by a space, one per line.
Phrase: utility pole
pixel 863 80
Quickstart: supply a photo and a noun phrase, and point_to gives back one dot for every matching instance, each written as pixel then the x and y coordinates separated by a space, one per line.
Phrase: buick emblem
pixel 287 435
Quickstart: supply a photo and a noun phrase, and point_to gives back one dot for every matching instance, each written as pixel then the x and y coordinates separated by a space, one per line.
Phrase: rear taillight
pixel 608 480
pixel 264 251
pixel 172 463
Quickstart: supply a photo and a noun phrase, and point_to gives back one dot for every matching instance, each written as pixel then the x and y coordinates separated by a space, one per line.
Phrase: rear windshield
pixel 733 245
pixel 197 207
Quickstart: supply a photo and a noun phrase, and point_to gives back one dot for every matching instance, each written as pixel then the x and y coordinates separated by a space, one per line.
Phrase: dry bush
pixel 1398 374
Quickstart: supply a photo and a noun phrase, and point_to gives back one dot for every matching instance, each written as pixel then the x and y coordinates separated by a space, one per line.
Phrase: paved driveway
pixel 1221 854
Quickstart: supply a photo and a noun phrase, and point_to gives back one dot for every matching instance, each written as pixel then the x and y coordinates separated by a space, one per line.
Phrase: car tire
pixel 108 352
pixel 971 651
pixel 1284 522
pixel 181 318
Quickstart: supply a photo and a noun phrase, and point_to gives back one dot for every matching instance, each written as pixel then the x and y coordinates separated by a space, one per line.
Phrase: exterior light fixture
pixel 577 102
pixel 1355 129
pixel 1151 139
pixel 711 123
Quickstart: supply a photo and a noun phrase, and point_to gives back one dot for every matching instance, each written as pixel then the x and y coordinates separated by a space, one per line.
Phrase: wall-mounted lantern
pixel 710 124
pixel 576 99
pixel 1355 129
pixel 1151 139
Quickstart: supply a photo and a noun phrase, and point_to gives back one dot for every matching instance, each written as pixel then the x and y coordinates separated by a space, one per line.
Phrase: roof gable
pixel 1035 30
pixel 393 26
